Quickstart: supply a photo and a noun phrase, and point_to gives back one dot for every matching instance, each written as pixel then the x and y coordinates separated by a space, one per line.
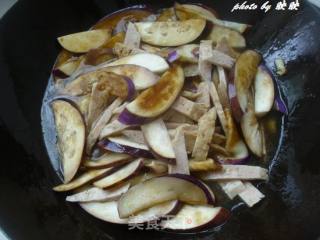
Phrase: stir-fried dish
pixel 153 109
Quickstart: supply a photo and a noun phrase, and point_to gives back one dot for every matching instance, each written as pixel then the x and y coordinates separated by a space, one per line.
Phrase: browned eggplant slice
pixel 71 130
pixel 157 99
pixel 84 41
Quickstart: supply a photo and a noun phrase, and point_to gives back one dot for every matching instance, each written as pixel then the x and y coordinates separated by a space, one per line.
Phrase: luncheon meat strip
pixel 251 195
pixel 216 101
pixel 190 109
pixel 205 67
pixel 204 96
pixel 179 147
pixel 204 136
pixel 98 101
pixel 100 123
pixel 232 187
pixel 220 59
pixel 243 172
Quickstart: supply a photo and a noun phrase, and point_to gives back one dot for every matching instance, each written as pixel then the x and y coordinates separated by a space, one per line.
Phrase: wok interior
pixel 273 35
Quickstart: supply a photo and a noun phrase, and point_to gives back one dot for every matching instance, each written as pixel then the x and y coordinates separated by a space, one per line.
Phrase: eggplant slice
pixel 71 136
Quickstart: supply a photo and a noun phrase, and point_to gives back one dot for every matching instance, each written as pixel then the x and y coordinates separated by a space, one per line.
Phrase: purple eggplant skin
pixel 280 106
pixel 172 56
pixel 131 89
pixel 129 118
pixel 59 74
pixel 118 148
